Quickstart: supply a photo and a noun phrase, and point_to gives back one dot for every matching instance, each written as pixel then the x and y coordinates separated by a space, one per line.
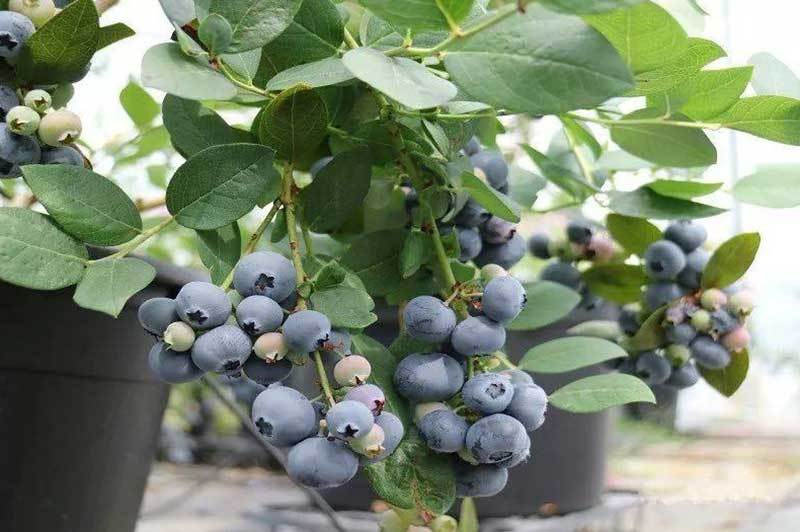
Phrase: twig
pixel 149 204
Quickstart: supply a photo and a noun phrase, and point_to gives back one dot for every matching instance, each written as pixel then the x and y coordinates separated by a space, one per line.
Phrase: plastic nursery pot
pixel 79 410
pixel 568 466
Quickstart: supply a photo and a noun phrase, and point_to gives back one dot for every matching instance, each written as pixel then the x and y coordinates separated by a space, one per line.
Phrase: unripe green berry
pixel 38 100
pixel 490 271
pixel 415 528
pixel 352 370
pixel 179 336
pixel 713 299
pixel 741 303
pixel 560 248
pixel 423 409
pixel 370 445
pixel 22 120
pixel 678 355
pixel 270 347
pixel 39 11
pixel 391 521
pixel 60 128
pixel 443 523
pixel 701 320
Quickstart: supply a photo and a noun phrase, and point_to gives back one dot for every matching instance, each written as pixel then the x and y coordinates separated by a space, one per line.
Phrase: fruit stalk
pixel 323 379
pixel 287 198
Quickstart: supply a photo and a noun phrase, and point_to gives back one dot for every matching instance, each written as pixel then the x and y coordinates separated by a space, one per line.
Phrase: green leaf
pixel 255 22
pixel 547 303
pixel 524 186
pixel 108 35
pixel 337 191
pixel 61 49
pixel 662 143
pixel 414 477
pixel 698 54
pixel 245 64
pixel 399 78
pixel 193 127
pixel 35 254
pixel 330 275
pixel 620 283
pixel 645 203
pixel 216 33
pixel 622 161
pixel 414 14
pixel 383 365
pixel 413 255
pixel 633 234
pixel 374 258
pixel 182 12
pixel 731 260
pixel 710 92
pixel 568 354
pixel 295 123
pixel 683 189
pixel 606 329
pixel 775 118
pixel 650 335
pixel 646 35
pixel 539 63
pixel 220 249
pixel 220 184
pixel 468 518
pixel 727 380
pixel 140 106
pixel 600 392
pixel 771 77
pixel 564 178
pixel 346 306
pixel 776 186
pixel 588 7
pixel 328 71
pixel 166 68
pixel 493 201
pixel 108 284
pixel 86 205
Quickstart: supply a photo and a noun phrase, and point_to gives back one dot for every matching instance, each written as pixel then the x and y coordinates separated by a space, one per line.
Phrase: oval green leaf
pixel 295 123
pixel 328 71
pixel 600 392
pixel 193 127
pixel 775 118
pixel 731 260
pixel 108 284
pixel 633 234
pixel 254 22
pixel 166 68
pixel 776 186
pixel 568 354
pixel 493 201
pixel 547 303
pixel 220 249
pixel 620 283
pixel 644 203
pixel 727 380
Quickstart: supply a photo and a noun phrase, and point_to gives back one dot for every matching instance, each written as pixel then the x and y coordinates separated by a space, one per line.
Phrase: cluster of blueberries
pixel 243 334
pixel 701 327
pixel 583 242
pixel 31 131
pixel 483 419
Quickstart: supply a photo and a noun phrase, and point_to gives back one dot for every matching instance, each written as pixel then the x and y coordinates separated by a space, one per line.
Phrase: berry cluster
pixel 31 131
pixel 701 327
pixel 483 418
pixel 199 331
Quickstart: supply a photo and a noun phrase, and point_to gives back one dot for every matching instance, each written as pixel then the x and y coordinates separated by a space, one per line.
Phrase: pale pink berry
pixel 713 299
pixel 352 370
pixel 601 248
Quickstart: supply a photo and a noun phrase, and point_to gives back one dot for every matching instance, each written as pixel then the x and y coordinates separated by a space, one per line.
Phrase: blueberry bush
pixel 365 146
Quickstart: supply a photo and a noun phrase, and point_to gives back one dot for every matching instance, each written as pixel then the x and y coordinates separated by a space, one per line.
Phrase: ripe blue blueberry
pixel 722 322
pixel 428 377
pixel 660 293
pixel 15 30
pixel 470 243
pixel 479 480
pixel 688 235
pixel 497 438
pixel 503 299
pixel 340 343
pixel 488 393
pixel 8 100
pixel 266 373
pixel 393 432
pixel 579 232
pixel 223 349
pixel 528 406
pixel 203 305
pixel 443 430
pixel 505 255
pixel 472 146
pixel 472 214
pixel 428 319
pixel 498 231
pixel 684 376
pixel 539 246
pixel 696 262
pixel 517 376
pixel 652 368
pixel 321 463
pixel 562 273
pixel 368 395
pixel 283 415
pixel 319 165
pixel 664 260
pixel 244 390
pixel 257 315
pixel 709 354
pixel 172 367
pixel 265 273
pixel 681 334
pixel 306 331
pixel 629 320
pixel 64 155
pixel 478 335
pixel 156 314
pixel 16 151
pixel 349 419
pixel 493 166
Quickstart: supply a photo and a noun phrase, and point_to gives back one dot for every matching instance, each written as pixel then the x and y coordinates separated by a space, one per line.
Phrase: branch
pixel 149 204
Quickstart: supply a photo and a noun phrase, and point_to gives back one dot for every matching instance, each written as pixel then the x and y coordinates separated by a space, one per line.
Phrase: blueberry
pixel 503 299
pixel 222 350
pixel 244 390
pixel 306 331
pixel 664 260
pixel 368 395
pixel 39 11
pixel 652 368
pixel 172 367
pixel 257 315
pixel 661 293
pixel 283 415
pixel 66 155
pixel 8 100
pixel 478 335
pixel 681 334
pixel 428 377
pixel 352 370
pixel 270 347
pixel 505 255
pixel 39 100
pixel 290 303
pixel 709 353
pixel 517 376
pixel 562 273
pixel 443 430
pixel 722 322
pixel 423 409
pixel 479 480
pixel 370 445
pixel 736 340
pixel 428 319
pixel 490 271
pixel 156 314
pixel 677 354
pixel 601 249
pixel 684 376
pixel 393 432
pixel 692 274
pixel 203 305
pixel 23 120
pixel 321 463
pixel 266 373
pixel 265 273
pixel 539 246
pixel 16 151
pixel 496 438
pixel 339 343
pixel 629 320
pixel 528 406
pixel 472 146
pixel 741 303
pixel 701 320
pixel 349 419
pixel 443 523
pixel 498 231
pixel 60 128
pixel 494 166
pixel 179 337
pixel 688 235
pixel 579 232
pixel 713 299
pixel 488 393
pixel 15 30
pixel 472 214
pixel 470 243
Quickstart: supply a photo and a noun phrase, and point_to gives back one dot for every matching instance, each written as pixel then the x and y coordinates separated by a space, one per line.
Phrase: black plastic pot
pixel 79 411
pixel 568 466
